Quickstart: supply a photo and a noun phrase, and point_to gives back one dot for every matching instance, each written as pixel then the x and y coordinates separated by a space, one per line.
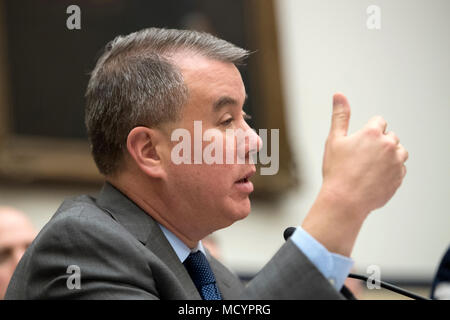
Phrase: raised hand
pixel 365 168
pixel 361 172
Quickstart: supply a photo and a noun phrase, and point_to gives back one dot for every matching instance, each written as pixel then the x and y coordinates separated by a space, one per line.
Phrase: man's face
pixel 209 195
pixel 16 234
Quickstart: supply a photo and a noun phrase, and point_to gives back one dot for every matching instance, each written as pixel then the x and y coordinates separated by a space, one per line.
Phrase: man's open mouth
pixel 244 180
pixel 247 176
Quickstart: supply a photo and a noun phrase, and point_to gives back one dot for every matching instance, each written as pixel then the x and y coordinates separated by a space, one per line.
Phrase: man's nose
pixel 254 144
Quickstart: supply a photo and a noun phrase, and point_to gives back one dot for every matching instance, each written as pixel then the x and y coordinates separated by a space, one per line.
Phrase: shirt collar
pixel 178 246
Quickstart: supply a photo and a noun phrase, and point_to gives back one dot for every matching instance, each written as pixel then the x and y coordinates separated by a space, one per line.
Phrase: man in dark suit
pixel 141 238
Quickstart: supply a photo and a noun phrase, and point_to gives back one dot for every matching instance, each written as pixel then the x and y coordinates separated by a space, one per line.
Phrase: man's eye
pixel 227 122
pixel 5 254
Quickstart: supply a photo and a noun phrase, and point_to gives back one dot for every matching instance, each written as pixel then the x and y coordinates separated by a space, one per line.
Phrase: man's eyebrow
pixel 224 101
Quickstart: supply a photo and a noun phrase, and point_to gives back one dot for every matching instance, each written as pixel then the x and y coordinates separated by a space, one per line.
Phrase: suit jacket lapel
pixel 158 244
pixel 147 231
pixel 230 285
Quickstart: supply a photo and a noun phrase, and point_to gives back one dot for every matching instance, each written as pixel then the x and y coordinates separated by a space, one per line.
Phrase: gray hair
pixel 135 83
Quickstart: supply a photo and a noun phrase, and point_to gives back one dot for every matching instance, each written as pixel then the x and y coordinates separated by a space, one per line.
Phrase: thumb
pixel 341 115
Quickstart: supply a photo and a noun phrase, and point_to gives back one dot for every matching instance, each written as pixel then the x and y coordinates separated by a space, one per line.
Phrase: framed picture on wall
pixel 45 70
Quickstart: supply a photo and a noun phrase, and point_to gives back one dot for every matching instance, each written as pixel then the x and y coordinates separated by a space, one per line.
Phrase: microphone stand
pixel 348 294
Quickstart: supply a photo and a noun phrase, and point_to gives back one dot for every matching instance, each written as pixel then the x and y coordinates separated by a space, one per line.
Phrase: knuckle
pixel 403 153
pixel 373 131
pixel 405 156
pixel 390 144
pixel 340 114
pixel 394 136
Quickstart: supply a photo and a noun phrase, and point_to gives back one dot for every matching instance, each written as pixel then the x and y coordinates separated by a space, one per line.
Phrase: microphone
pixel 288 233
pixel 290 230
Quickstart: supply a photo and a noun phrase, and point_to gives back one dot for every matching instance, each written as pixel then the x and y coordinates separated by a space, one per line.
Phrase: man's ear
pixel 142 143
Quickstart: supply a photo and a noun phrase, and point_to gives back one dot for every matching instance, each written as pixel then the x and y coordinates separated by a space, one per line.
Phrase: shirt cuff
pixel 334 267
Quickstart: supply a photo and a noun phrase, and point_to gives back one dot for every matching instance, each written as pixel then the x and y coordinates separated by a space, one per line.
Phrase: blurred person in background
pixel 16 234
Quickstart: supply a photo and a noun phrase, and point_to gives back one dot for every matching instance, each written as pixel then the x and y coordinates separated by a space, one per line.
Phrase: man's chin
pixel 242 209
pixel 230 213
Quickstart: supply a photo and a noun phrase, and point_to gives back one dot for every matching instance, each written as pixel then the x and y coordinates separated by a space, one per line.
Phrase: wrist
pixel 334 221
pixel 345 202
